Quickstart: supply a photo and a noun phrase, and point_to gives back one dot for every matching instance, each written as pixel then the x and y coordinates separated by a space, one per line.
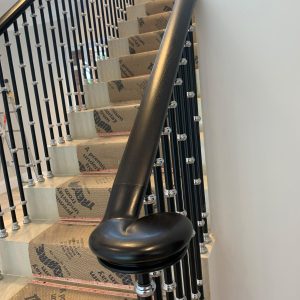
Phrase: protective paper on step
pixel 154 22
pixel 101 154
pixel 115 120
pixel 127 89
pixel 152 8
pixel 145 42
pixel 62 251
pixel 84 197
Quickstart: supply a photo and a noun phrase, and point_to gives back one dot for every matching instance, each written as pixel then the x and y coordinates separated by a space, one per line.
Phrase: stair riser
pixel 117 120
pixel 116 92
pixel 144 24
pixel 148 8
pixel 86 158
pixel 129 66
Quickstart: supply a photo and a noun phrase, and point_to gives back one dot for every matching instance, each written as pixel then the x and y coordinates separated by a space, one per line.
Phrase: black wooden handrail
pixel 13 13
pixel 122 241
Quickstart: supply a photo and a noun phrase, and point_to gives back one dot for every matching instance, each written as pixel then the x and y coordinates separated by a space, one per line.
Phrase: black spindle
pixel 14 151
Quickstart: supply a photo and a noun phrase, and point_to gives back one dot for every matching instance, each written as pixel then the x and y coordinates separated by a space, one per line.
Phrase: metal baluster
pixel 102 32
pixel 95 29
pixel 187 113
pixel 63 53
pixel 169 285
pixel 196 129
pixel 40 176
pixel 14 151
pixel 104 27
pixel 78 24
pixel 36 95
pixel 61 139
pixel 58 69
pixel 187 162
pixel 121 11
pixel 171 194
pixel 94 67
pixel 149 202
pixel 175 138
pixel 113 23
pixel 75 45
pixel 18 109
pixel 12 207
pixel 85 33
pixel 3 232
pixel 107 20
pixel 123 5
pixel 144 287
pixel 71 60
pixel 42 71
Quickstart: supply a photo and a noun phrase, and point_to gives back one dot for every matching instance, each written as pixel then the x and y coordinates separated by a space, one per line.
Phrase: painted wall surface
pixel 250 75
pixel 6 5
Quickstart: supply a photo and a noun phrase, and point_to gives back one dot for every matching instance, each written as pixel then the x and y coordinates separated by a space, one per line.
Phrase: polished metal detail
pixel 201 223
pixel 207 238
pixel 170 193
pixel 188 44
pixel 159 162
pixel 50 174
pixel 190 160
pixel 203 249
pixel 52 142
pixel 26 220
pixel 181 137
pixel 197 118
pixel 205 215
pixel 150 199
pixel 169 287
pixel 199 282
pixel 183 62
pixel 69 138
pixel 145 291
pixel 184 213
pixel 184 298
pixel 196 296
pixel 155 274
pixel 178 81
pixel 192 28
pixel 173 104
pixel 197 181
pixel 15 226
pixel 40 178
pixel 167 131
pixel 61 140
pixel 190 95
pixel 3 233
pixel 31 182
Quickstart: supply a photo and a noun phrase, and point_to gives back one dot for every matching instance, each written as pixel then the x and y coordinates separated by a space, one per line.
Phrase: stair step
pixel 117 92
pixel 144 24
pixel 102 154
pixel 46 290
pixel 149 8
pixel 129 66
pixel 62 251
pixel 111 120
pixel 10 285
pixel 84 197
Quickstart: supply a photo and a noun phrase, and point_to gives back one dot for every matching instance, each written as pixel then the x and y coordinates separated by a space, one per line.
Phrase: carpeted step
pixel 62 251
pixel 117 92
pixel 84 197
pixel 144 24
pixel 129 66
pixel 149 8
pixel 110 120
pixel 50 291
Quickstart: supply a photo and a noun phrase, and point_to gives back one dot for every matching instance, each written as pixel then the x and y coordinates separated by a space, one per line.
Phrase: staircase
pixel 50 257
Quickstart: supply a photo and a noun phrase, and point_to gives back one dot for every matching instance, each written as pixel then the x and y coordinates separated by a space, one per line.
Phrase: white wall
pixel 6 5
pixel 250 76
